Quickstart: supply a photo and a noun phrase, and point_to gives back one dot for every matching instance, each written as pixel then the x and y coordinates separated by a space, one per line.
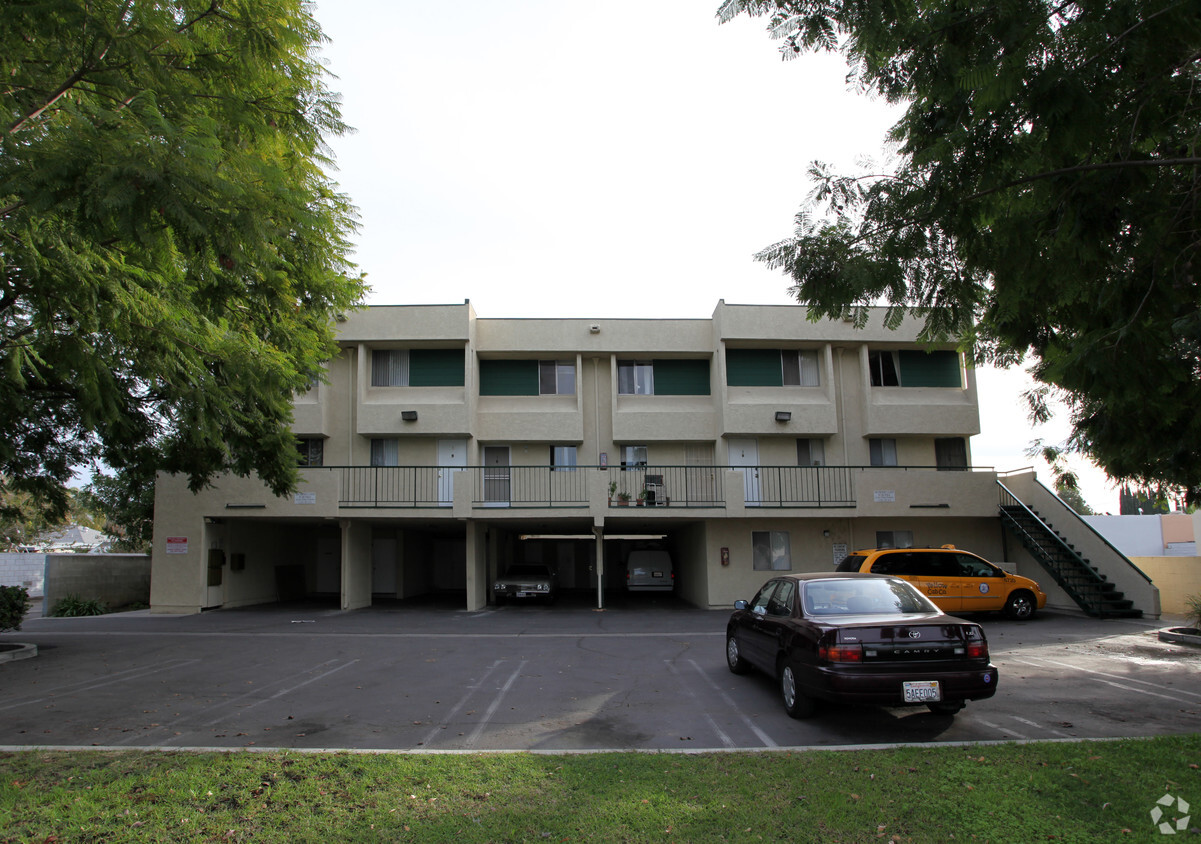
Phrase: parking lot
pixel 640 675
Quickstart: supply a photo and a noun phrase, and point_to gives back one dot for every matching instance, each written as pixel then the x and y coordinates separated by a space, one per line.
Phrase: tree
pixel 172 254
pixel 1045 205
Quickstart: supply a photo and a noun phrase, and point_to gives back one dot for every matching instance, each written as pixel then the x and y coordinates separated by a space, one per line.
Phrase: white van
pixel 649 571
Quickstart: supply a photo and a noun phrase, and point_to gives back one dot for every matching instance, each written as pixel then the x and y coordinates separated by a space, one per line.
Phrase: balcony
pixel 756 490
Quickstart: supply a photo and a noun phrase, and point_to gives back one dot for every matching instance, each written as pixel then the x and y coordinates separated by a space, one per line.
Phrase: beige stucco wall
pixel 1178 579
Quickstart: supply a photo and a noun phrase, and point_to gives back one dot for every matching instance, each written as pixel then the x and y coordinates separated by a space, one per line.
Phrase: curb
pixel 17 651
pixel 1177 636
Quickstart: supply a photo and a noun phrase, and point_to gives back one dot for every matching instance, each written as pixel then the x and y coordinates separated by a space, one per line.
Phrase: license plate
pixel 922 691
pixel 656 574
pixel 528 594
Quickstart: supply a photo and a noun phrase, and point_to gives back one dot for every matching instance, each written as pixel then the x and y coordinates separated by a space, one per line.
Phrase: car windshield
pixel 863 596
pixel 527 571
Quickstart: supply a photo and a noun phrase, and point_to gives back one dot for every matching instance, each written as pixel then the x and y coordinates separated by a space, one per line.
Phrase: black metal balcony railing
pixel 567 487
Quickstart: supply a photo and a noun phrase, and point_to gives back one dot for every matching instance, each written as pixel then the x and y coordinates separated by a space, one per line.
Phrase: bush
pixel 14 603
pixel 74 606
pixel 1193 613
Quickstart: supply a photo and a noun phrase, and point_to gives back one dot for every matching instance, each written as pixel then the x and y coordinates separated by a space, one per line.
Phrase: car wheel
pixel 734 658
pixel 796 703
pixel 1020 606
pixel 946 707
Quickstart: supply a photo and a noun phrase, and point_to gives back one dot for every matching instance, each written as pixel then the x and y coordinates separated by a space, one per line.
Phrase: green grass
pixel 1085 792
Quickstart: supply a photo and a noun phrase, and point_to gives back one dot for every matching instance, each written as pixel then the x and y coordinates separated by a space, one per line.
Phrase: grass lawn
pixel 1078 791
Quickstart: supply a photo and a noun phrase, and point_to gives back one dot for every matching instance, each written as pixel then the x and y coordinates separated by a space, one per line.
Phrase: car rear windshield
pixel 854 562
pixel 861 597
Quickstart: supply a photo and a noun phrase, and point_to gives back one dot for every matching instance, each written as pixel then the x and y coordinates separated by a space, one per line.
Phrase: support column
pixel 356 564
pixel 598 528
pixel 477 566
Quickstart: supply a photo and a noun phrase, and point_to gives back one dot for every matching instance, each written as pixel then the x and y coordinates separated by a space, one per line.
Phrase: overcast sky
pixel 547 158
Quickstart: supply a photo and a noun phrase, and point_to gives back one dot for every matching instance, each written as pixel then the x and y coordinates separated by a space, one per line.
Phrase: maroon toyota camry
pixel 858 638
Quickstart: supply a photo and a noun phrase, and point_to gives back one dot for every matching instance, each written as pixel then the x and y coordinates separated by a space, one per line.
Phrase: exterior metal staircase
pixel 1081 580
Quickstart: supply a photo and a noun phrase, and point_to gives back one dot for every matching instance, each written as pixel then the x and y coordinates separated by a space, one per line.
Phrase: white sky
pixel 546 158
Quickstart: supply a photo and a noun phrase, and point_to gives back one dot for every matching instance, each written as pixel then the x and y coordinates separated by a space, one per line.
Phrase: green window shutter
pixel 681 377
pixel 929 369
pixel 754 368
pixel 436 368
pixel 508 377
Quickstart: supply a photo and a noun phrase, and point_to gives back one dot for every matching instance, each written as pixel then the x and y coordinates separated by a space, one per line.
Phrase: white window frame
pixel 630 456
pixel 800 368
pixel 894 539
pixel 817 451
pixel 563 458
pixel 882 450
pixel 397 368
pixel 771 550
pixel 385 451
pixel 561 373
pixel 635 378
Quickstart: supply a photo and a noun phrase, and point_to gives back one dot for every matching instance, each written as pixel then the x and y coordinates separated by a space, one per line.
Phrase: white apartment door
pixel 744 456
pixel 496 475
pixel 452 458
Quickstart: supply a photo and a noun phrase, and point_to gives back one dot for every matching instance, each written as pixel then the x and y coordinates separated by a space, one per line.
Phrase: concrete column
pixel 356 564
pixel 477 566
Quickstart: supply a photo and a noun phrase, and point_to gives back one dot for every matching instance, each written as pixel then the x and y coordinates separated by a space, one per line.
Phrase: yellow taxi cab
pixel 957 581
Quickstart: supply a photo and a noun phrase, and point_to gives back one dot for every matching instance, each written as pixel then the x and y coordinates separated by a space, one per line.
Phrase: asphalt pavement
pixel 641 675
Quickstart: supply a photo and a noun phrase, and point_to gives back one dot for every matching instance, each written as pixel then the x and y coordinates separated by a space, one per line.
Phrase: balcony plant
pixel 612 490
pixel 623 499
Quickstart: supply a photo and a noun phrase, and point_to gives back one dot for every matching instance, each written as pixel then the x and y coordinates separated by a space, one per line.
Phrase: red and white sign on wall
pixel 177 545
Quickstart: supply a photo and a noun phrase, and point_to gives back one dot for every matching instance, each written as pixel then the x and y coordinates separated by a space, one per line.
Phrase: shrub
pixel 74 606
pixel 14 603
pixel 1193 613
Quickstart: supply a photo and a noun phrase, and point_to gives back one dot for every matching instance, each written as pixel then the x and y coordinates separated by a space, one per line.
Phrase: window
pixel 799 368
pixel 770 550
pixel 914 368
pixel 385 452
pixel 894 539
pixel 633 455
pixel 556 378
pixel 883 452
pixel 810 452
pixel 310 450
pixel 527 377
pixel 772 368
pixel 883 367
pixel 635 378
pixel 417 368
pixel 950 453
pixel 563 458
pixel 389 367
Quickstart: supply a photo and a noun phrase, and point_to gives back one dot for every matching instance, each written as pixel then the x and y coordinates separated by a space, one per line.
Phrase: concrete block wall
pixel 28 570
pixel 115 580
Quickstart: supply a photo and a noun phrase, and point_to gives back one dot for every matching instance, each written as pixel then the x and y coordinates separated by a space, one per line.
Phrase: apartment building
pixel 445 447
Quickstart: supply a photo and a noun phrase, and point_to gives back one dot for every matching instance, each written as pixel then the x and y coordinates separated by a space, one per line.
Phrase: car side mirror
pixel 741 605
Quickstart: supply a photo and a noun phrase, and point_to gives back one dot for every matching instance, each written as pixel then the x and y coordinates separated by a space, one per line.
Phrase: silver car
pixel 526 581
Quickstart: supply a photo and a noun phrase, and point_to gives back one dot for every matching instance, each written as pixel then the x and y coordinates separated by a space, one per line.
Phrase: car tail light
pixel 977 650
pixel 841 653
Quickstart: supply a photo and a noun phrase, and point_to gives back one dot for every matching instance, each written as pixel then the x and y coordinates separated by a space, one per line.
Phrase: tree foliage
pixel 172 253
pixel 1046 203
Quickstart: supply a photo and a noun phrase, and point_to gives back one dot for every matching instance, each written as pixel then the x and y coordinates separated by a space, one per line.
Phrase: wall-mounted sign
pixel 888 495
pixel 840 552
pixel 725 556
pixel 304 498
pixel 177 545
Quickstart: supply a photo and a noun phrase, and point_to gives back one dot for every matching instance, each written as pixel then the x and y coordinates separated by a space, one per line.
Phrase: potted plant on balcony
pixel 623 499
pixel 612 491
pixel 642 497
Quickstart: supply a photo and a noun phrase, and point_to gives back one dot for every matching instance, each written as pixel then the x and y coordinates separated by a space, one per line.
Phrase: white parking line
pixel 762 736
pixel 1038 726
pixel 1001 729
pixel 1098 675
pixel 471 740
pixel 119 677
pixel 721 735
pixel 472 689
